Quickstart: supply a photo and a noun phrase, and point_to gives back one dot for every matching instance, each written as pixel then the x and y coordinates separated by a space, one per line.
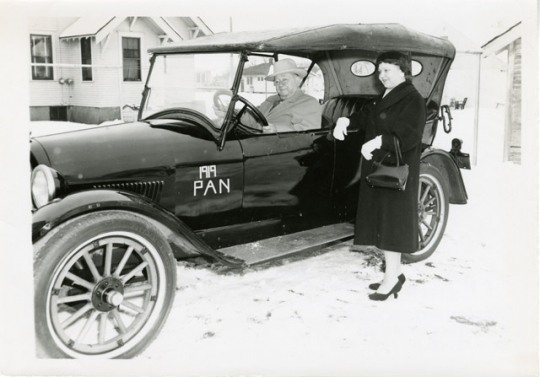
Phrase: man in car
pixel 291 109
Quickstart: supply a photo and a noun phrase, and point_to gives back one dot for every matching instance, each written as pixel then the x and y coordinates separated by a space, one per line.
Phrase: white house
pixel 253 80
pixel 507 47
pixel 88 69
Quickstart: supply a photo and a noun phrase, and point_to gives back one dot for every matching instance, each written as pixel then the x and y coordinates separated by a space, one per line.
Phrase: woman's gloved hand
pixel 341 128
pixel 370 146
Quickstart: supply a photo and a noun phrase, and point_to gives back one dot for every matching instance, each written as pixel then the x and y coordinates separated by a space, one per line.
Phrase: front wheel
pixel 433 210
pixel 104 284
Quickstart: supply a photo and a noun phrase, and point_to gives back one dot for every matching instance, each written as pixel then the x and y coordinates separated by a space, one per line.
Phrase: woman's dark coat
pixel 388 219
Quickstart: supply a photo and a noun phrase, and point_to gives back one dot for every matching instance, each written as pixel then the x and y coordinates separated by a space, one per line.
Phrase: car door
pixel 287 174
pixel 209 183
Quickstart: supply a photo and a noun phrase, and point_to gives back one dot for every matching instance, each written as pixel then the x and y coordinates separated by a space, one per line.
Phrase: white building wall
pixel 48 92
pixel 262 86
pixel 107 89
pixel 131 92
pixel 70 74
pixel 85 93
pixel 180 27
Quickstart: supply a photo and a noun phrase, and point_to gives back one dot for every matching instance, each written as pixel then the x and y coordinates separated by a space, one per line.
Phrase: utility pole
pixel 231 75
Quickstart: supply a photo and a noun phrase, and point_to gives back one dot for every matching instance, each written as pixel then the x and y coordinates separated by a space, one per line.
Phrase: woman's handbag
pixel 389 176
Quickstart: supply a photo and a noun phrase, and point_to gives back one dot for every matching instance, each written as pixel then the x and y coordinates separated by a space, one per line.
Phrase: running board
pixel 284 246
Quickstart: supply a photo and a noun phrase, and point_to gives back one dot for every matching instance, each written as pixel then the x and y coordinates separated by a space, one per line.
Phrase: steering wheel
pixel 237 115
pixel 260 118
pixel 218 103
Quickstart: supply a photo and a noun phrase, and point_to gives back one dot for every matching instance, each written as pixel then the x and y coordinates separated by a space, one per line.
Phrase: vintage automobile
pixel 114 206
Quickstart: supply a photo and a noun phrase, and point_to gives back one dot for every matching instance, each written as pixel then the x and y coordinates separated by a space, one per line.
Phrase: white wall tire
pixel 104 284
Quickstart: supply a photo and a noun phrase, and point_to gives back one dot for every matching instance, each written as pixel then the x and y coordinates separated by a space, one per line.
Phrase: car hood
pixel 123 151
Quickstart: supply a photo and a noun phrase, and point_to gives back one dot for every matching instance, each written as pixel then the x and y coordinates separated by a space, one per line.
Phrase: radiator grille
pixel 151 190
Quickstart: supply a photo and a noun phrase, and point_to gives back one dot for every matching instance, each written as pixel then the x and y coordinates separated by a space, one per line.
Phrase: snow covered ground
pixel 469 310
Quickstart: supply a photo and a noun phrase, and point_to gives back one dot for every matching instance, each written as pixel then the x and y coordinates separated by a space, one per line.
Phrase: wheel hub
pixel 108 294
pixel 421 211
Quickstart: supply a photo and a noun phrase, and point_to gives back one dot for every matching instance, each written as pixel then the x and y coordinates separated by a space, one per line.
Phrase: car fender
pixel 450 172
pixel 176 231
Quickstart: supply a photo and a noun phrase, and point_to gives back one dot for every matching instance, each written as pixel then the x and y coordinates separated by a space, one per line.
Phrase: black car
pixel 116 205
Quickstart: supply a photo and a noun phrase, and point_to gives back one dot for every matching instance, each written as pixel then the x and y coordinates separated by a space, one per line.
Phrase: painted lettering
pixel 210 184
pixel 221 186
pixel 208 171
pixel 197 185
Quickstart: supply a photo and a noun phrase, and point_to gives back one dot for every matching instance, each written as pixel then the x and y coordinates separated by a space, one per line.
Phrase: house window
pixel 86 58
pixel 250 80
pixel 41 52
pixel 131 54
pixel 201 77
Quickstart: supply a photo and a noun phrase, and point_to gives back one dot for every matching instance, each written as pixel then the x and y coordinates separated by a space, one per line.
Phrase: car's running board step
pixel 284 246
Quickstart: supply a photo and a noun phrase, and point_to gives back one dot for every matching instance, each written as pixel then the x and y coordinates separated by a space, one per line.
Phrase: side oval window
pixel 416 67
pixel 362 68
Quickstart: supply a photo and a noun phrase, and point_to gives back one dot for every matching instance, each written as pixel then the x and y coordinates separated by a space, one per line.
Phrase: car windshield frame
pixel 321 45
pixel 219 129
pixel 166 88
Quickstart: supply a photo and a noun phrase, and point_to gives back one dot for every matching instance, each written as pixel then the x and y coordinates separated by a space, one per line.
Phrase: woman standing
pixel 388 219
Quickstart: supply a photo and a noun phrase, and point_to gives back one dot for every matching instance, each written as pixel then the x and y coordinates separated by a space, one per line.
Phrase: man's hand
pixel 370 146
pixel 341 128
pixel 270 129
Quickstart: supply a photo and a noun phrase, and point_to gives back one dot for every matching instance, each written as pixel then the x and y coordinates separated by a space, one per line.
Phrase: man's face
pixel 287 84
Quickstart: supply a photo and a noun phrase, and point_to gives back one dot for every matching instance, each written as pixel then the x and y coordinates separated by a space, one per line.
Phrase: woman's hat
pixel 285 66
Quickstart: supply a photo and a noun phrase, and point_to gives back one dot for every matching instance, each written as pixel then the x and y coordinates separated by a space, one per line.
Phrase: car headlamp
pixel 43 185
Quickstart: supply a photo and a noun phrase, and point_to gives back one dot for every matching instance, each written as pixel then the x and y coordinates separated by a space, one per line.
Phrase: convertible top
pixel 371 37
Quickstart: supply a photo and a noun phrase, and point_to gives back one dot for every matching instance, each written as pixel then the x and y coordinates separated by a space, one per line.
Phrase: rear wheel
pixel 104 285
pixel 433 210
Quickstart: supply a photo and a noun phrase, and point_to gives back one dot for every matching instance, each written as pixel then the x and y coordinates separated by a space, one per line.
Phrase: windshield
pixel 203 82
pixel 189 81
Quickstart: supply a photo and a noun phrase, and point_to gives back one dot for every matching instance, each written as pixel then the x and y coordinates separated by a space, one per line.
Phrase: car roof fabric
pixel 371 37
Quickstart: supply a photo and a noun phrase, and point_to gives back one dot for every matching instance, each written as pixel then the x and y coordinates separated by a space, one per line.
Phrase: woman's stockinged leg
pixel 392 271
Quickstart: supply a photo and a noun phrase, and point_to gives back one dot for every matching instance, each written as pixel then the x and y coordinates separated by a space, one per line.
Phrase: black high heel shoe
pixel 376 286
pixel 394 291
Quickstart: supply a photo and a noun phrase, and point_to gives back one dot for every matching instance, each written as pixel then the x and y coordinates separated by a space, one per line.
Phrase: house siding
pixel 182 29
pixel 259 85
pixel 510 43
pixel 49 92
pixel 102 98
pixel 131 92
pixel 515 105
